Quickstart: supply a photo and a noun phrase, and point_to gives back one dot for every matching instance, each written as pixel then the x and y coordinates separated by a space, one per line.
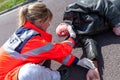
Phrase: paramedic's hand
pixel 93 74
pixel 65 29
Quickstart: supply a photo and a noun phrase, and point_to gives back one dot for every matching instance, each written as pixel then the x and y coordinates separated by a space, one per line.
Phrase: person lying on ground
pixel 22 55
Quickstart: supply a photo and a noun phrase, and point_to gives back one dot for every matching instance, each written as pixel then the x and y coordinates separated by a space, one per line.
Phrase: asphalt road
pixel 110 44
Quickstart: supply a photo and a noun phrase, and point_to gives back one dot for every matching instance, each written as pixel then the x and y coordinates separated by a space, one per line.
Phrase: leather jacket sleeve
pixel 90 47
pixel 109 10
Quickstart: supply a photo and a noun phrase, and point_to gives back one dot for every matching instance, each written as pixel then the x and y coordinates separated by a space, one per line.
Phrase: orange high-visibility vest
pixel 28 44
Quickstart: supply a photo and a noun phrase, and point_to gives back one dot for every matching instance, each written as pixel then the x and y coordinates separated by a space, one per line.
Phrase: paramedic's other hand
pixel 93 74
pixel 65 29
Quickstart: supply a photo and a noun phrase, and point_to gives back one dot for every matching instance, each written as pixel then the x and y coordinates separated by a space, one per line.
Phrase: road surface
pixel 110 44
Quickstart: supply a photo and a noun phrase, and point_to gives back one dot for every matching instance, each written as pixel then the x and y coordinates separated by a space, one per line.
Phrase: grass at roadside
pixel 6 4
pixel 1 1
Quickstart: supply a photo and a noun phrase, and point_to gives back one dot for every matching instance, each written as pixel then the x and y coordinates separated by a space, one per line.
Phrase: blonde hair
pixel 33 12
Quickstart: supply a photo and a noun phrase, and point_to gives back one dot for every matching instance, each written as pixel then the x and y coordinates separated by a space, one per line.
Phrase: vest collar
pixel 44 34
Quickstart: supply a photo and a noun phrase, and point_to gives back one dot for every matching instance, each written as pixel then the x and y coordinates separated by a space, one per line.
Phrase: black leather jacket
pixel 89 17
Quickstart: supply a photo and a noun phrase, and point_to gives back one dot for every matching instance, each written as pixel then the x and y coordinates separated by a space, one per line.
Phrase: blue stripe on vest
pixel 19 38
pixel 25 34
pixel 67 58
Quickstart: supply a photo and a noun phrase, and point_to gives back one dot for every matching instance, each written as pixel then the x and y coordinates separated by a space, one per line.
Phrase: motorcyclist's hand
pixel 93 74
pixel 116 30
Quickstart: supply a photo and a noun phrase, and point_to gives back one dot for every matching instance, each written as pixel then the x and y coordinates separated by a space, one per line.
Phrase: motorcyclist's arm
pixel 108 11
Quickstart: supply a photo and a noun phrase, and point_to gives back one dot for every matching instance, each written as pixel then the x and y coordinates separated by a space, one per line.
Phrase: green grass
pixel 6 4
pixel 1 1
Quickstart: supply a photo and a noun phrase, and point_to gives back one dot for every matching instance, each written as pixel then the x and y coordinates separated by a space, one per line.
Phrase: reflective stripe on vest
pixel 67 58
pixel 19 38
pixel 33 52
pixel 15 43
pixel 69 42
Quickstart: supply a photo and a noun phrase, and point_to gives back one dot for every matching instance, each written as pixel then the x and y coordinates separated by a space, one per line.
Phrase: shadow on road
pixel 107 38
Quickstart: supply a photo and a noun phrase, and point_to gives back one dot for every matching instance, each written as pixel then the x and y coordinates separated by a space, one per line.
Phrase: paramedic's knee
pixel 36 72
pixel 29 71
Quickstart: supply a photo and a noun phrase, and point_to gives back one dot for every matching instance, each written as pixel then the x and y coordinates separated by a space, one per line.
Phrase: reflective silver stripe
pixel 33 52
pixel 14 41
pixel 69 42
pixel 37 51
pixel 67 58
pixel 14 54
pixel 27 34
